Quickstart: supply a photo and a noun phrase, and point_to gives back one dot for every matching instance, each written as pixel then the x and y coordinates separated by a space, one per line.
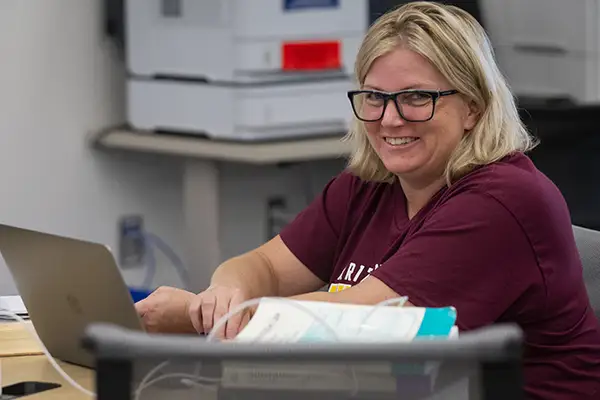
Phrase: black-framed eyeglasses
pixel 414 105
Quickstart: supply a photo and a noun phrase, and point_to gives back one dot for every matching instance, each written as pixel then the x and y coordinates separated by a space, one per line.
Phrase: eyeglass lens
pixel 414 106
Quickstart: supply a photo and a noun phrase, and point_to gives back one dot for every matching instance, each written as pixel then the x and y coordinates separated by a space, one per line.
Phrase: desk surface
pixel 15 340
pixel 21 361
pixel 272 152
pixel 37 368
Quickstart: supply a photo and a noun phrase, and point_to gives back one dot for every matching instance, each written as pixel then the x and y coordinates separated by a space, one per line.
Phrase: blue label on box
pixel 303 4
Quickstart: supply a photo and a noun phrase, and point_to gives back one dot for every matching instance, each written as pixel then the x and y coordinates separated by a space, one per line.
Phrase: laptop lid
pixel 65 285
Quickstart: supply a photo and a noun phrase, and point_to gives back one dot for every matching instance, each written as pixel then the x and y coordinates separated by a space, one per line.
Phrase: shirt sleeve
pixel 314 235
pixel 472 254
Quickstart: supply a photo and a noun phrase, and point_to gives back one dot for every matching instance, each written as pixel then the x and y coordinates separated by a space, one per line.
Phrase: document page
pixel 294 321
pixel 288 321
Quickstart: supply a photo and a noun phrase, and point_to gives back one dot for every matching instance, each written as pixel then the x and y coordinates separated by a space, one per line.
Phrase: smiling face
pixel 416 151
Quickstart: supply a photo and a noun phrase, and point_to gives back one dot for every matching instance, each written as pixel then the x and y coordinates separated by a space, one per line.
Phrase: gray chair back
pixel 588 244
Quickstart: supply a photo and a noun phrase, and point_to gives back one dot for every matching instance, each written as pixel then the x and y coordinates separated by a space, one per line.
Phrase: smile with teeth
pixel 399 141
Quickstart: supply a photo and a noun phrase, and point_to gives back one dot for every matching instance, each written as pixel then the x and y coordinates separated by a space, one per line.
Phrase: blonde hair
pixel 456 44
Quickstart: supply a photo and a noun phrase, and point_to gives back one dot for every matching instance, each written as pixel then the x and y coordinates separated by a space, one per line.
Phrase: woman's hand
pixel 209 306
pixel 166 311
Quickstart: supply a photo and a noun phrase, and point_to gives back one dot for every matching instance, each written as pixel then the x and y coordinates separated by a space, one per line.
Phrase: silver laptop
pixel 66 284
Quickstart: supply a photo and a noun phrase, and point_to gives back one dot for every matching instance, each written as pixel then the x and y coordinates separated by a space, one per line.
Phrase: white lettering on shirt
pixel 349 271
pixel 359 272
pixel 352 274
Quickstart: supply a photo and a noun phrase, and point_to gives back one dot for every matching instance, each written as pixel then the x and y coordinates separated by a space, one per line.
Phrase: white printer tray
pixel 240 112
pixel 227 40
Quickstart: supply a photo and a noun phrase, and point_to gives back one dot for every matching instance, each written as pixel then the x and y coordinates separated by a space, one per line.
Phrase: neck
pixel 418 194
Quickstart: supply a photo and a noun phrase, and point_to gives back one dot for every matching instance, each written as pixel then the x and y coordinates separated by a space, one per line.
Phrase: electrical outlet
pixel 132 246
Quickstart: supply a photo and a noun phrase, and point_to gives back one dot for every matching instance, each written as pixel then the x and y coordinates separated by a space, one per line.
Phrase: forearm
pixel 250 272
pixel 328 297
pixel 371 291
pixel 318 296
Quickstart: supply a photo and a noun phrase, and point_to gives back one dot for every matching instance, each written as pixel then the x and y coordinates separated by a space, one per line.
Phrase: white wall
pixel 245 190
pixel 60 79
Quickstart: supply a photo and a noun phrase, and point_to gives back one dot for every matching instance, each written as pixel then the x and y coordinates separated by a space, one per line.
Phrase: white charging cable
pixel 249 303
pixel 398 301
pixel 187 379
pixel 51 359
pixel 252 302
pixel 148 377
pixel 197 380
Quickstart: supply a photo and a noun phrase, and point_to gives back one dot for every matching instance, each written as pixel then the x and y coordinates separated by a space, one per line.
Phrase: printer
pixel 547 49
pixel 242 70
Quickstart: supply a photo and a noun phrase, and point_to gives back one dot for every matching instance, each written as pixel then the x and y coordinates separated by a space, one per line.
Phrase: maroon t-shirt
pixel 498 245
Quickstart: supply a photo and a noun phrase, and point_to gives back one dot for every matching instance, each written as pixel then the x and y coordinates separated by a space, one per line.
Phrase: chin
pixel 401 167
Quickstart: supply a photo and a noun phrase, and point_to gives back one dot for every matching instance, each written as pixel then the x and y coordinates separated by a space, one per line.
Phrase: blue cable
pixel 150 263
pixel 150 242
pixel 172 256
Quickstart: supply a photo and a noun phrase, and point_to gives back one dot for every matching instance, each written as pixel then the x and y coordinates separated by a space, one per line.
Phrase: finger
pixel 222 307
pixel 233 325
pixel 140 306
pixel 244 321
pixel 195 314
pixel 207 306
pixel 143 306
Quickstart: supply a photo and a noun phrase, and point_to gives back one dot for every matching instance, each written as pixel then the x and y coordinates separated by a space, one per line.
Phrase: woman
pixel 439 204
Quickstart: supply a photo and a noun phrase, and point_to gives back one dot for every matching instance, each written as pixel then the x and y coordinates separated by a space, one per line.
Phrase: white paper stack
pixel 13 304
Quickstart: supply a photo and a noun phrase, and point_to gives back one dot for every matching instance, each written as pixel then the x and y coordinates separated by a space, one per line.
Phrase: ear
pixel 472 115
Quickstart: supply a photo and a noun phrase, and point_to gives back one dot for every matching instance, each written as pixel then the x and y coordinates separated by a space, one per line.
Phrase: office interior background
pixel 63 83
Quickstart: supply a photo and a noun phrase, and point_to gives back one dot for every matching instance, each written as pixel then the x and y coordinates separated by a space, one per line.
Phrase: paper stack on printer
pixel 15 305
pixel 277 321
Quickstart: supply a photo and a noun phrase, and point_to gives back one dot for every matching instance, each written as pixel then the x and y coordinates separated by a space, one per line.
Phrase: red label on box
pixel 310 56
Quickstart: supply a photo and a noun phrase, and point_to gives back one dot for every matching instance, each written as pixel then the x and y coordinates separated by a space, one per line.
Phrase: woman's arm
pixel 369 292
pixel 270 270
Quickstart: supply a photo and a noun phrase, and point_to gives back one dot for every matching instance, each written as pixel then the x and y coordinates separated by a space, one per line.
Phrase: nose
pixel 391 116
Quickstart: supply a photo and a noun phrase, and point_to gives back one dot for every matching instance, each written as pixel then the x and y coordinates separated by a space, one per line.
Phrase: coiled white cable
pixel 249 303
pixel 144 382
pixel 252 302
pixel 400 301
pixel 51 359
pixel 187 379
pixel 197 380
